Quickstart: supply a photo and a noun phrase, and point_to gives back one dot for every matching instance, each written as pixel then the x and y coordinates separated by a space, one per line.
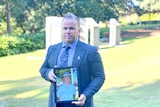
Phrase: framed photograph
pixel 66 86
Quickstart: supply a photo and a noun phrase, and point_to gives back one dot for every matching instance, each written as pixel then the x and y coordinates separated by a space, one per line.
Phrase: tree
pixel 85 8
pixel 30 15
pixel 88 9
pixel 7 14
pixel 143 7
pixel 8 17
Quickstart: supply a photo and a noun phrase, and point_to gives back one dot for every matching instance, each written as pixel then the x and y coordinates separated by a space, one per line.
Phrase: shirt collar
pixel 73 45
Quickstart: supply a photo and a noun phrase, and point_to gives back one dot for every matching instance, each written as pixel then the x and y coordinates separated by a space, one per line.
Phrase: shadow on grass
pixel 124 41
pixel 18 93
pixel 34 91
pixel 143 96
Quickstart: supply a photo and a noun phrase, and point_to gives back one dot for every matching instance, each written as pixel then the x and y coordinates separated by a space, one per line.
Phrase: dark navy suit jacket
pixel 91 71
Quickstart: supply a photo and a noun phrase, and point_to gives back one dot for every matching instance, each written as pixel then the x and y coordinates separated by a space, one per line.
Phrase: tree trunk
pixel 9 30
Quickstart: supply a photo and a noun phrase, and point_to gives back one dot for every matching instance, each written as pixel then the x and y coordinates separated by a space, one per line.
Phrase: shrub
pixel 11 45
pixel 36 41
pixel 8 45
pixel 103 32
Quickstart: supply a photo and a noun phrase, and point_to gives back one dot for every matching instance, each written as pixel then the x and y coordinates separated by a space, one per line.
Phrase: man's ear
pixel 79 30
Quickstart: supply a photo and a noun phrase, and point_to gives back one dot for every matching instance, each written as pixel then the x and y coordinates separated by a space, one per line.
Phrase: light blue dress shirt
pixel 66 92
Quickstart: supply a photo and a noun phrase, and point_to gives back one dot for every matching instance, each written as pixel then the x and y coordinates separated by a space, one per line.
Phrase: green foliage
pixel 145 6
pixel 35 41
pixel 150 5
pixel 153 16
pixel 89 9
pixel 8 45
pixel 11 45
pixel 29 15
pixel 2 28
pixel 103 32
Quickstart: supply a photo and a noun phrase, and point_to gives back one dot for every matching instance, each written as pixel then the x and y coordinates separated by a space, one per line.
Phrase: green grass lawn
pixel 132 76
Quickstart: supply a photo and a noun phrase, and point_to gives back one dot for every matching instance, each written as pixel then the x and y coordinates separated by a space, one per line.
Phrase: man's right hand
pixel 52 76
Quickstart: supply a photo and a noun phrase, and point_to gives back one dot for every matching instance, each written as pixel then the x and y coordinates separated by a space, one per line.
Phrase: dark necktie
pixel 64 57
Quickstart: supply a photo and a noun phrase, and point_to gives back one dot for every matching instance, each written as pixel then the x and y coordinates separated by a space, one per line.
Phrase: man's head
pixel 66 77
pixel 70 28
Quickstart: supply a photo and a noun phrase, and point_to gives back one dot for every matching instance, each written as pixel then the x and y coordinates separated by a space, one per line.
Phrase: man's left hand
pixel 81 100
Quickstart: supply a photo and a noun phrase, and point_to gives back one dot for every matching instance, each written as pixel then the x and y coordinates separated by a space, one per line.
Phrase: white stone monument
pixel 114 32
pixel 53 30
pixel 84 30
pixel 94 35
pixel 86 24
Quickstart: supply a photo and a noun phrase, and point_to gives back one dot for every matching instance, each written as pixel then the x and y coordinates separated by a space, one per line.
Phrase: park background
pixel 132 68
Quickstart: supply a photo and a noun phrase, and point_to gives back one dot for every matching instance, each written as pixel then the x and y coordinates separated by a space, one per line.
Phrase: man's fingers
pixel 55 66
pixel 77 103
pixel 52 76
pixel 81 100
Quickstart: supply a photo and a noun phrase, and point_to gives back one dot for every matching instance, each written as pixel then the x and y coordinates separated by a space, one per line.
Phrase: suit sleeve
pixel 97 73
pixel 45 68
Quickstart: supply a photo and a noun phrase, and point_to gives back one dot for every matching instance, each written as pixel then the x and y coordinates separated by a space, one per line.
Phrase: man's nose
pixel 68 30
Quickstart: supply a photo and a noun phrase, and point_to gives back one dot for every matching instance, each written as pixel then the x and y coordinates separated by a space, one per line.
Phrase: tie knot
pixel 67 47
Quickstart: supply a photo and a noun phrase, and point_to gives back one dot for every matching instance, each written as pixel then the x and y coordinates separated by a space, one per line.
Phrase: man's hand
pixel 81 100
pixel 52 76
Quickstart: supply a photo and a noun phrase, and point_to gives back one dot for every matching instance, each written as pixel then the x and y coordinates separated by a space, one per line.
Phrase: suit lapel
pixel 79 53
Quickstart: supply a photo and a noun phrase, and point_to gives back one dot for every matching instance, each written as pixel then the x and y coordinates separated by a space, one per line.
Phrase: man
pixel 66 91
pixel 86 57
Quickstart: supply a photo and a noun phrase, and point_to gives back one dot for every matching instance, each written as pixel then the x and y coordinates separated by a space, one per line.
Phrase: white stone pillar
pixel 84 30
pixel 94 35
pixel 53 30
pixel 114 33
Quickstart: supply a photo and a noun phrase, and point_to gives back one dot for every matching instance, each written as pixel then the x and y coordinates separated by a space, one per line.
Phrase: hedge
pixel 11 45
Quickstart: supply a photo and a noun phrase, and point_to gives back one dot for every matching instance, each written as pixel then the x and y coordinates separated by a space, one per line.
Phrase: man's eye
pixel 72 28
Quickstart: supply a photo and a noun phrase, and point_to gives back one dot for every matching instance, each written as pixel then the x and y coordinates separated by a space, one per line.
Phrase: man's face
pixel 70 30
pixel 66 79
